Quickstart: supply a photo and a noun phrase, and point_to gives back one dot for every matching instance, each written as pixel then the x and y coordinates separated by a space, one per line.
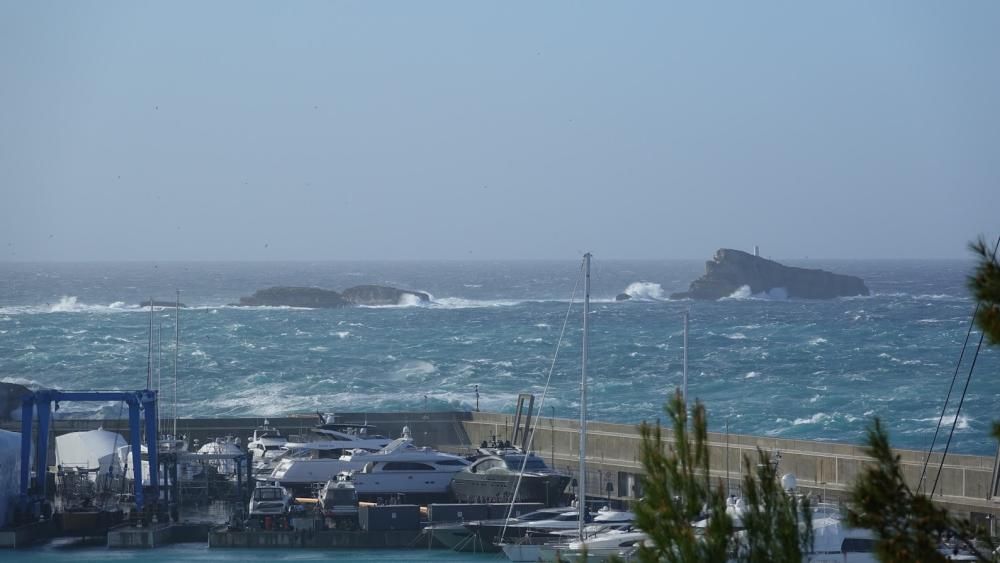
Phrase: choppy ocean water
pixel 777 367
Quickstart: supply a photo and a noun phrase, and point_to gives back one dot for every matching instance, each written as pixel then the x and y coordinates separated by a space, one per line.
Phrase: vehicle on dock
pixel 268 500
pixel 339 502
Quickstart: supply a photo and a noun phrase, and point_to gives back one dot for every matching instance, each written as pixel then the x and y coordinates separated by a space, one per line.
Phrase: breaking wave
pixel 645 291
pixel 744 293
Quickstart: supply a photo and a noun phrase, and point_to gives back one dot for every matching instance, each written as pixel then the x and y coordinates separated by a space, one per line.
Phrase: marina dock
pixel 967 483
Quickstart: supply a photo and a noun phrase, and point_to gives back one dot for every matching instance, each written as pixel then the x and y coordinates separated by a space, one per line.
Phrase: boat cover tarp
pixel 94 449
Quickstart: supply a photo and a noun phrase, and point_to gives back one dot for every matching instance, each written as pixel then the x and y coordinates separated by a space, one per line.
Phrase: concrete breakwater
pixel 966 485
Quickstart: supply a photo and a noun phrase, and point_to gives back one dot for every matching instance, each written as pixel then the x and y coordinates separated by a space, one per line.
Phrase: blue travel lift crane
pixel 33 498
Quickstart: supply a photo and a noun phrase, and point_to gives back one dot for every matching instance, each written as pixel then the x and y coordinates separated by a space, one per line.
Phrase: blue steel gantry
pixel 144 400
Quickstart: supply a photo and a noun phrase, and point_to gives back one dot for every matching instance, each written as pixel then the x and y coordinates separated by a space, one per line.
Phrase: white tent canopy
pixel 94 449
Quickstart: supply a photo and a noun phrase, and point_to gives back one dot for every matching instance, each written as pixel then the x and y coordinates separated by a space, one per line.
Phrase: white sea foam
pixel 319 349
pixel 645 291
pixel 752 375
pixel 817 341
pixel 963 421
pixel 736 336
pixel 415 368
pixel 460 303
pixel 814 419
pixel 342 334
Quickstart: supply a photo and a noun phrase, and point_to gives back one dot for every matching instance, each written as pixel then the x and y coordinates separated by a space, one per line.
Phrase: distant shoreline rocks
pixel 318 298
pixel 730 270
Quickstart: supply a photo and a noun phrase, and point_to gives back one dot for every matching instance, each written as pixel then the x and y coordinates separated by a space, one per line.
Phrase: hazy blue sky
pixel 295 130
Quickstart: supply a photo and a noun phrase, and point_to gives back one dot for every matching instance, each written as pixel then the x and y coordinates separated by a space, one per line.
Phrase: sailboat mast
pixel 581 497
pixel 149 350
pixel 159 373
pixel 177 341
pixel 684 388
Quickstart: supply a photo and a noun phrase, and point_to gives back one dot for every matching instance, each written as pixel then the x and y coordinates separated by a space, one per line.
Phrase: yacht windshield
pixel 268 493
pixel 534 463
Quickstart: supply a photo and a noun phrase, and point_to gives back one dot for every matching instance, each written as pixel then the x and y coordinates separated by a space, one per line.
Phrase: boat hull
pixel 546 489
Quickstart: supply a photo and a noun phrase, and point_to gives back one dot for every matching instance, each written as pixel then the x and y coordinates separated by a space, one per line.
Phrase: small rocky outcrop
pixel 729 270
pixel 312 297
pixel 380 295
pixel 157 303
pixel 623 297
pixel 317 298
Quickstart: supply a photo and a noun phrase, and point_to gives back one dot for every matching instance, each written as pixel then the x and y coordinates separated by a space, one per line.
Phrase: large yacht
pixel 406 472
pixel 309 465
pixel 266 443
pixel 494 478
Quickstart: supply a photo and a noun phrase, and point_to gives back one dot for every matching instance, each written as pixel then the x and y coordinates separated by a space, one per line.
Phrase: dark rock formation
pixel 380 295
pixel 623 297
pixel 312 297
pixel 10 399
pixel 317 298
pixel 732 269
pixel 157 303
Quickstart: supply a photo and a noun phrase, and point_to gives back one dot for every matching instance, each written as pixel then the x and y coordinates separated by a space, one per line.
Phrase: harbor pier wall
pixel 823 468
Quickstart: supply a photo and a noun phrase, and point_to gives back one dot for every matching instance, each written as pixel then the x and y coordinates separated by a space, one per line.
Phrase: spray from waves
pixel 744 293
pixel 67 304
pixel 814 419
pixel 645 291
pixel 409 300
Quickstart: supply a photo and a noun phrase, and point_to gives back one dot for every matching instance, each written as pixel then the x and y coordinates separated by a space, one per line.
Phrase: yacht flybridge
pixel 314 463
pixel 402 469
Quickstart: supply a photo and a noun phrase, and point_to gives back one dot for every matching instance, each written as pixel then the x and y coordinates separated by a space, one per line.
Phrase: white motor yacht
pixel 266 443
pixel 307 465
pixel 532 546
pixel 417 473
pixel 618 543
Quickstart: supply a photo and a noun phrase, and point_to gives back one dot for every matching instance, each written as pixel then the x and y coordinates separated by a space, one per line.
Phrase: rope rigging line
pixel 541 404
pixel 947 399
pixel 965 390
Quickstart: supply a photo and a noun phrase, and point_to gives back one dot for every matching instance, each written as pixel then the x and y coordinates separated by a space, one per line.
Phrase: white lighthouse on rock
pixel 756 251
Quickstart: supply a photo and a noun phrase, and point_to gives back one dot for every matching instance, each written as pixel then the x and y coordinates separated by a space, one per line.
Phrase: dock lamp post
pixel 552 434
pixel 477 398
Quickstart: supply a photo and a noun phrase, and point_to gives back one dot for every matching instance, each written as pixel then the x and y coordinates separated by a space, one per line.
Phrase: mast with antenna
pixel 581 498
pixel 177 341
pixel 159 371
pixel 149 349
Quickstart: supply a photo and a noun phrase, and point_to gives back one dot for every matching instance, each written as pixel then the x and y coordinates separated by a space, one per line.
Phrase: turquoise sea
pixel 778 367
